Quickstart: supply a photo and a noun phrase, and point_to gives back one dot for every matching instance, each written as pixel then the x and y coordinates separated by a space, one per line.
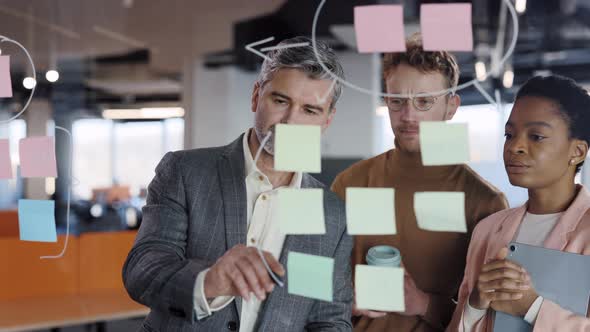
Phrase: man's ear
pixel 453 105
pixel 329 119
pixel 254 98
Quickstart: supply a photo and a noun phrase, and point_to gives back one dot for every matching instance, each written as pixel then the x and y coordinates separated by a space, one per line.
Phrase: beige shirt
pixel 262 231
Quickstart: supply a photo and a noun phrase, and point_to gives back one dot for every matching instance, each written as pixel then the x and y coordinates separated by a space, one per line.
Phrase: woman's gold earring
pixel 572 161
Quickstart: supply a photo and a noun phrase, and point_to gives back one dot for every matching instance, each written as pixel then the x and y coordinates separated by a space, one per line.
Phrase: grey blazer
pixel 195 212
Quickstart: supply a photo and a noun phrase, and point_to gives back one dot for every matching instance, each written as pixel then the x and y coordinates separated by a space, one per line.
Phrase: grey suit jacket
pixel 195 212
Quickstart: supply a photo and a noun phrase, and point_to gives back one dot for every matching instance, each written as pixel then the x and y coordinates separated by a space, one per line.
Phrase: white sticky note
pixel 443 143
pixel 379 288
pixel 370 211
pixel 297 148
pixel 301 211
pixel 440 211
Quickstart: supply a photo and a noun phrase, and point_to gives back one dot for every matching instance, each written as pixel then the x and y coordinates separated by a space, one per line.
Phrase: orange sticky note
pixel 5 81
pixel 5 167
pixel 379 28
pixel 446 27
pixel 37 157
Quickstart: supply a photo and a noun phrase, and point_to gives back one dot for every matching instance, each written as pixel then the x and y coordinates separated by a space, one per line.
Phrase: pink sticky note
pixel 379 28
pixel 37 157
pixel 5 81
pixel 446 27
pixel 5 167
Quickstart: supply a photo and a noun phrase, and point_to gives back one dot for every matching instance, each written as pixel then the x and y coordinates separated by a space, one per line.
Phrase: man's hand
pixel 417 301
pixel 369 313
pixel 239 272
pixel 499 281
pixel 519 307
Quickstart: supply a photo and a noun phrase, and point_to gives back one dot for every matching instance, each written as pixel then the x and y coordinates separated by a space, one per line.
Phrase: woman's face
pixel 538 150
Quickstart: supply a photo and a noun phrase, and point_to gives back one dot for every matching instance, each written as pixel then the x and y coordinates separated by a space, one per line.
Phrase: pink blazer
pixel 571 234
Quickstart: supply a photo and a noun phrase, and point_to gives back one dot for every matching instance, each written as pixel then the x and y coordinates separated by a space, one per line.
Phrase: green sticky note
pixel 443 143
pixel 370 211
pixel 301 211
pixel 310 276
pixel 379 288
pixel 440 211
pixel 297 148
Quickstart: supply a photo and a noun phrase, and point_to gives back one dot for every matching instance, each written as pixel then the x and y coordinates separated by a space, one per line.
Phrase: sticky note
pixel 440 211
pixel 443 143
pixel 379 288
pixel 310 276
pixel 446 27
pixel 5 166
pixel 379 28
pixel 301 211
pixel 297 148
pixel 36 220
pixel 37 157
pixel 370 211
pixel 5 81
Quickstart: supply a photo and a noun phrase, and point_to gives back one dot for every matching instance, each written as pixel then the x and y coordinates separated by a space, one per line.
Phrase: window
pixel 124 153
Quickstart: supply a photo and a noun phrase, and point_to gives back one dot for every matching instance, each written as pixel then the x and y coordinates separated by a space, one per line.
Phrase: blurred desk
pixel 28 314
pixel 83 287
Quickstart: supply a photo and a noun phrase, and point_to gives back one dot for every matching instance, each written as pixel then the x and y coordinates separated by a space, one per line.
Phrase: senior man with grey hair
pixel 195 261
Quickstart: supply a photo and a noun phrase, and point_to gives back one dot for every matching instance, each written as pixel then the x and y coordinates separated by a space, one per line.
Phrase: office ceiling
pixel 133 47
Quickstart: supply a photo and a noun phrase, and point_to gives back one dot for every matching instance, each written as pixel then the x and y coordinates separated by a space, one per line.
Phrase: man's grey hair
pixel 303 58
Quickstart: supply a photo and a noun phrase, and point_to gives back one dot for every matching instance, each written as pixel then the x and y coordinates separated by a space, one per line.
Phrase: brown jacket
pixel 435 260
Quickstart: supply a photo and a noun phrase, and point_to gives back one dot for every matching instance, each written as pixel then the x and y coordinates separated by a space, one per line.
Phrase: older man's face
pixel 291 97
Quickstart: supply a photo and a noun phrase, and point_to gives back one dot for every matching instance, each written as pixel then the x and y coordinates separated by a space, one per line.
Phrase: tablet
pixel 559 276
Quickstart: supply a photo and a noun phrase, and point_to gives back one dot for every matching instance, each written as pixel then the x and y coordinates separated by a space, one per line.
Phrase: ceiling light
pixel 520 6
pixel 52 76
pixel 144 113
pixel 29 83
pixel 508 79
pixel 480 71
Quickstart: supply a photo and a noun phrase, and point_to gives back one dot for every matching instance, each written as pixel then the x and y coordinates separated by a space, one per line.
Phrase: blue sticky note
pixel 36 220
pixel 310 275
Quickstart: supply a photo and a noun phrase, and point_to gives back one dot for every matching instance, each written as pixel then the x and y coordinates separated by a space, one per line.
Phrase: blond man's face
pixel 405 123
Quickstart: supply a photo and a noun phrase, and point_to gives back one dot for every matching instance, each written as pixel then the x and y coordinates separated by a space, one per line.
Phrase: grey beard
pixel 269 147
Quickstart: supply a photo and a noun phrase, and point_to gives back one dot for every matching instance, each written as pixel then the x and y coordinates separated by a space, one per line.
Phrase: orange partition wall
pixel 25 274
pixel 9 223
pixel 102 256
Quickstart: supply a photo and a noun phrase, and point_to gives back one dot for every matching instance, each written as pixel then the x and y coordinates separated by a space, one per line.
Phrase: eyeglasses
pixel 421 103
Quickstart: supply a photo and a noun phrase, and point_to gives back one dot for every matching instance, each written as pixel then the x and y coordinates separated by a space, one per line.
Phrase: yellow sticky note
pixel 297 148
pixel 310 276
pixel 443 143
pixel 301 211
pixel 440 211
pixel 379 288
pixel 370 211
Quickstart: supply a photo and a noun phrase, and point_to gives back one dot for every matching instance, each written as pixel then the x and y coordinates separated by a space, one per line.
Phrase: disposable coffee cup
pixel 386 256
